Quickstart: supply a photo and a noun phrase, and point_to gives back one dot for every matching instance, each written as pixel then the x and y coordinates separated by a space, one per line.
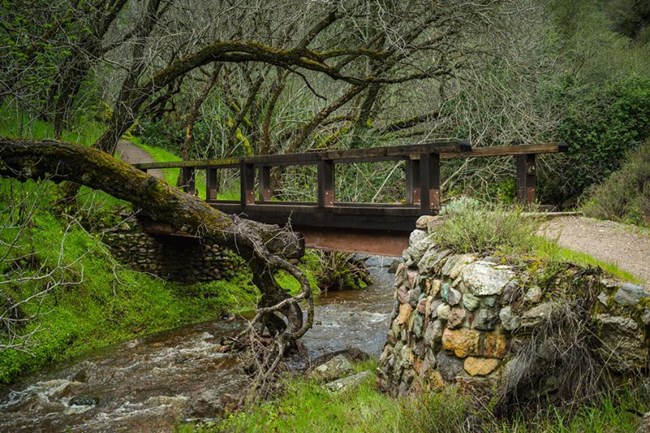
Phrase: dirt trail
pixel 132 154
pixel 626 246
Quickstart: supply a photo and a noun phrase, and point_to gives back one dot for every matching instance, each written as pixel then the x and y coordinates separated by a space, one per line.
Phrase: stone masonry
pixel 172 258
pixel 471 320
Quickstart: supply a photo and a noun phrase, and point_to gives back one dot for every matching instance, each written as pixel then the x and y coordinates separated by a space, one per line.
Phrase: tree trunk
pixel 266 248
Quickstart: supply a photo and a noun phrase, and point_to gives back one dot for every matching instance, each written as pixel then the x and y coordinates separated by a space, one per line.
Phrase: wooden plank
pixel 265 183
pixel 326 183
pixel 430 183
pixel 526 178
pixel 247 181
pixel 508 150
pixel 211 184
pixel 198 163
pixel 413 181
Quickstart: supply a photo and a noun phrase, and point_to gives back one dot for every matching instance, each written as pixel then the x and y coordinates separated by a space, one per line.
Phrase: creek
pixel 153 383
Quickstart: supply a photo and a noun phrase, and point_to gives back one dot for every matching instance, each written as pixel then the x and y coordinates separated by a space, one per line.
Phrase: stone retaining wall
pixel 172 258
pixel 475 321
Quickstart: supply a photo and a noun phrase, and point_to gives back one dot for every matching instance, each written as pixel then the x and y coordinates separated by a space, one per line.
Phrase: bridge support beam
pixel 326 183
pixel 430 182
pixel 247 179
pixel 413 182
pixel 211 184
pixel 265 183
pixel 526 178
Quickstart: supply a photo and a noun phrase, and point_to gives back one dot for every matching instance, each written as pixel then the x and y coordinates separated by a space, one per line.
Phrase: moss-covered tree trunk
pixel 266 248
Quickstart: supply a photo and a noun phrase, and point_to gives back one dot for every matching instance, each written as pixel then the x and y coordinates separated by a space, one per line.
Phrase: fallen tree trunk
pixel 265 248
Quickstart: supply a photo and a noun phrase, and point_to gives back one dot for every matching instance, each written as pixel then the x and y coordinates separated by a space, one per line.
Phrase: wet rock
pixel 416 326
pixel 432 259
pixel 509 321
pixel 416 236
pixel 335 368
pixel 347 383
pixel 404 313
pixel 451 295
pixel 433 307
pixel 414 296
pixel 207 404
pixel 403 295
pixel 463 342
pixel 485 319
pixel 442 312
pixel 494 345
pixel 540 314
pixel 454 265
pixel 393 266
pixel 484 279
pixel 436 286
pixel 630 294
pixel 456 318
pixel 411 279
pixel 433 334
pixel 470 302
pixel 533 295
pixel 448 366
pixel 428 222
pixel 480 366
pixel 83 400
pixel 422 305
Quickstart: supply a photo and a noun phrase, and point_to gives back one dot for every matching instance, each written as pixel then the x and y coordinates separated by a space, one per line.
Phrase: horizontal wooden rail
pixel 422 178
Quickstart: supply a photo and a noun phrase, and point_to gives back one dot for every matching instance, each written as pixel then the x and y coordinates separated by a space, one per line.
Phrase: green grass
pixel 18 124
pixel 305 406
pixel 95 301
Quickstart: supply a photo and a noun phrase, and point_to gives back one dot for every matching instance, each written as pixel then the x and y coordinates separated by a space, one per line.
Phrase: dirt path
pixel 626 246
pixel 132 154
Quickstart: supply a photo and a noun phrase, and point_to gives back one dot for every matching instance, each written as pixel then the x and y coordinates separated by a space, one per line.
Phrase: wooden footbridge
pixel 380 228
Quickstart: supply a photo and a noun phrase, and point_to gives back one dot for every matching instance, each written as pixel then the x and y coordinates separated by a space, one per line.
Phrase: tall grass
pixel 305 406
pixel 478 227
pixel 18 124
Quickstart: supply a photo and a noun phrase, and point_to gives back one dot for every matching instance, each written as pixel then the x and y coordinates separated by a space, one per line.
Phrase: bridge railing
pixel 422 182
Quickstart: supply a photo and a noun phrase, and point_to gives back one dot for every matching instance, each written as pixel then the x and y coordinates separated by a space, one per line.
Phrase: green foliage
pixel 310 265
pixel 600 125
pixel 340 271
pixel 19 124
pixel 473 226
pixel 625 195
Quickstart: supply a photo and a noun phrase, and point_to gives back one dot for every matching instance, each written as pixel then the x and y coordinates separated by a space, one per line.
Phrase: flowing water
pixel 153 383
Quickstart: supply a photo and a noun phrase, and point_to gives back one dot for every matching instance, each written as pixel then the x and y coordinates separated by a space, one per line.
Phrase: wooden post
pixel 247 180
pixel 325 183
pixel 211 184
pixel 413 181
pixel 189 180
pixel 265 183
pixel 430 182
pixel 526 177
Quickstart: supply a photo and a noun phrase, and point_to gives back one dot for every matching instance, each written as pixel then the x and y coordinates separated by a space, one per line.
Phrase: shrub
pixel 625 195
pixel 473 226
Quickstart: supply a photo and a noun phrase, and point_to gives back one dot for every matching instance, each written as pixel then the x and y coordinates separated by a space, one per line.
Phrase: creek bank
pixel 153 383
pixel 510 333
